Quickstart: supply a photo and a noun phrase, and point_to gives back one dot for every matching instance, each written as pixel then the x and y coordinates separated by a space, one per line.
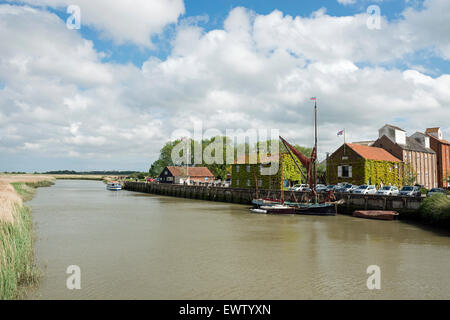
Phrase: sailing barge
pixel 311 207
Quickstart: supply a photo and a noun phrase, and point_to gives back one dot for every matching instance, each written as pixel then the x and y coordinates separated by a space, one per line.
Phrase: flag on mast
pixel 340 133
pixel 313 99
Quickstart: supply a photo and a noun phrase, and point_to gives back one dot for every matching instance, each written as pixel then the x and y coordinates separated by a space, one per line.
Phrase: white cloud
pixel 259 71
pixel 125 20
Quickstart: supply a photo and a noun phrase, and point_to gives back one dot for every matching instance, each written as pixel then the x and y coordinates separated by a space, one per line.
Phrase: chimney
pixel 435 132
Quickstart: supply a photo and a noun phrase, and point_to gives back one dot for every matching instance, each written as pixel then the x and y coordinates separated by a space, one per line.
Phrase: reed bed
pixel 436 210
pixel 17 268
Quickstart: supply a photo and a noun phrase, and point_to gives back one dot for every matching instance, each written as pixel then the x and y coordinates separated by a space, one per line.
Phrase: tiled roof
pixel 192 171
pixel 372 153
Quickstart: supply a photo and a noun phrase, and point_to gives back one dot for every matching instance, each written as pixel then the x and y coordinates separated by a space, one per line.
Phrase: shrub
pixel 436 210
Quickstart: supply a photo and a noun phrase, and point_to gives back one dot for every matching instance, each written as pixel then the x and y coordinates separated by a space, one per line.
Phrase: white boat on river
pixel 114 186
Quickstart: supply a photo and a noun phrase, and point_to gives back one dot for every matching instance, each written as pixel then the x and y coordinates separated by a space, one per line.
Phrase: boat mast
pixel 315 148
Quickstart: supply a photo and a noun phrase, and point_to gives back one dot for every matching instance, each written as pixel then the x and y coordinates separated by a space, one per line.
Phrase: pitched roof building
pixel 442 149
pixel 414 150
pixel 360 164
pixel 178 175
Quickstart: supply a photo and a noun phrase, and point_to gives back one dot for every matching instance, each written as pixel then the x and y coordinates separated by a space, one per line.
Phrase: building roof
pixel 365 143
pixel 373 153
pixel 395 127
pixel 413 145
pixel 432 129
pixel 192 171
pixel 439 140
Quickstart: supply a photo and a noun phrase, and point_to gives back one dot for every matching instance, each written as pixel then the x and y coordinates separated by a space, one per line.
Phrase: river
pixel 138 246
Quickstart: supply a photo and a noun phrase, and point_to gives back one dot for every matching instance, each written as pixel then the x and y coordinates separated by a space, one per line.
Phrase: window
pixel 259 183
pixel 237 182
pixel 237 169
pixel 248 182
pixel 345 171
pixel 248 168
pixel 166 173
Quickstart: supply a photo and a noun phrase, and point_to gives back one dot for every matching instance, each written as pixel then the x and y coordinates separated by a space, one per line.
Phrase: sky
pixel 108 95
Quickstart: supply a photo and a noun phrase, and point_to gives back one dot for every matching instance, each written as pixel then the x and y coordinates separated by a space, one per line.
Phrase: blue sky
pixel 158 66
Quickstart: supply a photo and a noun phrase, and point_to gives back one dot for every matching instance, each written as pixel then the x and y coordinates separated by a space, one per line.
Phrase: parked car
pixel 347 188
pixel 331 187
pixel 301 187
pixel 321 188
pixel 365 189
pixel 435 191
pixel 410 191
pixel 388 191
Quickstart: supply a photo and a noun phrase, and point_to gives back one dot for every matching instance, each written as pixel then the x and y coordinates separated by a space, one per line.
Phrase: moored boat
pixel 315 209
pixel 378 215
pixel 114 186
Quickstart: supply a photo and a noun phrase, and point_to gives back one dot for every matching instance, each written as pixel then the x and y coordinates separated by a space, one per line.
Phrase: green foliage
pixel 409 176
pixel 138 175
pixel 219 170
pixel 383 172
pixel 17 267
pixel 436 210
pixel 246 177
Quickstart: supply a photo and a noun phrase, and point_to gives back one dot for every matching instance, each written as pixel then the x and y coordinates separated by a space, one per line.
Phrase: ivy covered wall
pixel 243 178
pixel 364 171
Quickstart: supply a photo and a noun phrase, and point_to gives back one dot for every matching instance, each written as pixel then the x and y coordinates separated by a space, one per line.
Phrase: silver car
pixel 409 191
pixel 388 191
pixel 365 189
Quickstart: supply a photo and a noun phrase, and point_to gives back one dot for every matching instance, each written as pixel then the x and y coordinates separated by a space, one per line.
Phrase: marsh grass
pixel 18 270
pixel 436 210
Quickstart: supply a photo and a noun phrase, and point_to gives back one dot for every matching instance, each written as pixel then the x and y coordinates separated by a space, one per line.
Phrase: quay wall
pixel 406 206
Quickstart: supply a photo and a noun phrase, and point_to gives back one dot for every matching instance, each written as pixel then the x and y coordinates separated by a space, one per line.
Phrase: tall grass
pixel 436 210
pixel 18 270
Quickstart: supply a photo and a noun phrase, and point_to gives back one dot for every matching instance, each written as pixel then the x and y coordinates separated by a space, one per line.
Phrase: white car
pixel 301 187
pixel 365 189
pixel 388 191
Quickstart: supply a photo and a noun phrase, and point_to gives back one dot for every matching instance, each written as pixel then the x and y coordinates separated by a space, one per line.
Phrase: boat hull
pixel 278 209
pixel 314 209
pixel 377 215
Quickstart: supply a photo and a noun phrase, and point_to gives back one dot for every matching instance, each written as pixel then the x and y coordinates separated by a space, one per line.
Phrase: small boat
pixel 114 186
pixel 379 215
pixel 278 209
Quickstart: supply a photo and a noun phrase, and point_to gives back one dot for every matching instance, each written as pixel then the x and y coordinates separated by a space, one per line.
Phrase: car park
pixel 388 191
pixel 410 191
pixel 365 189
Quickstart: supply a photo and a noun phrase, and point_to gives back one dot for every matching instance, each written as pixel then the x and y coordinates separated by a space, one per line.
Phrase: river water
pixel 139 246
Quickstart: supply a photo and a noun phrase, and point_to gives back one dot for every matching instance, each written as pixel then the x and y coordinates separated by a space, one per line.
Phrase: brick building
pixel 414 150
pixel 361 164
pixel 442 149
